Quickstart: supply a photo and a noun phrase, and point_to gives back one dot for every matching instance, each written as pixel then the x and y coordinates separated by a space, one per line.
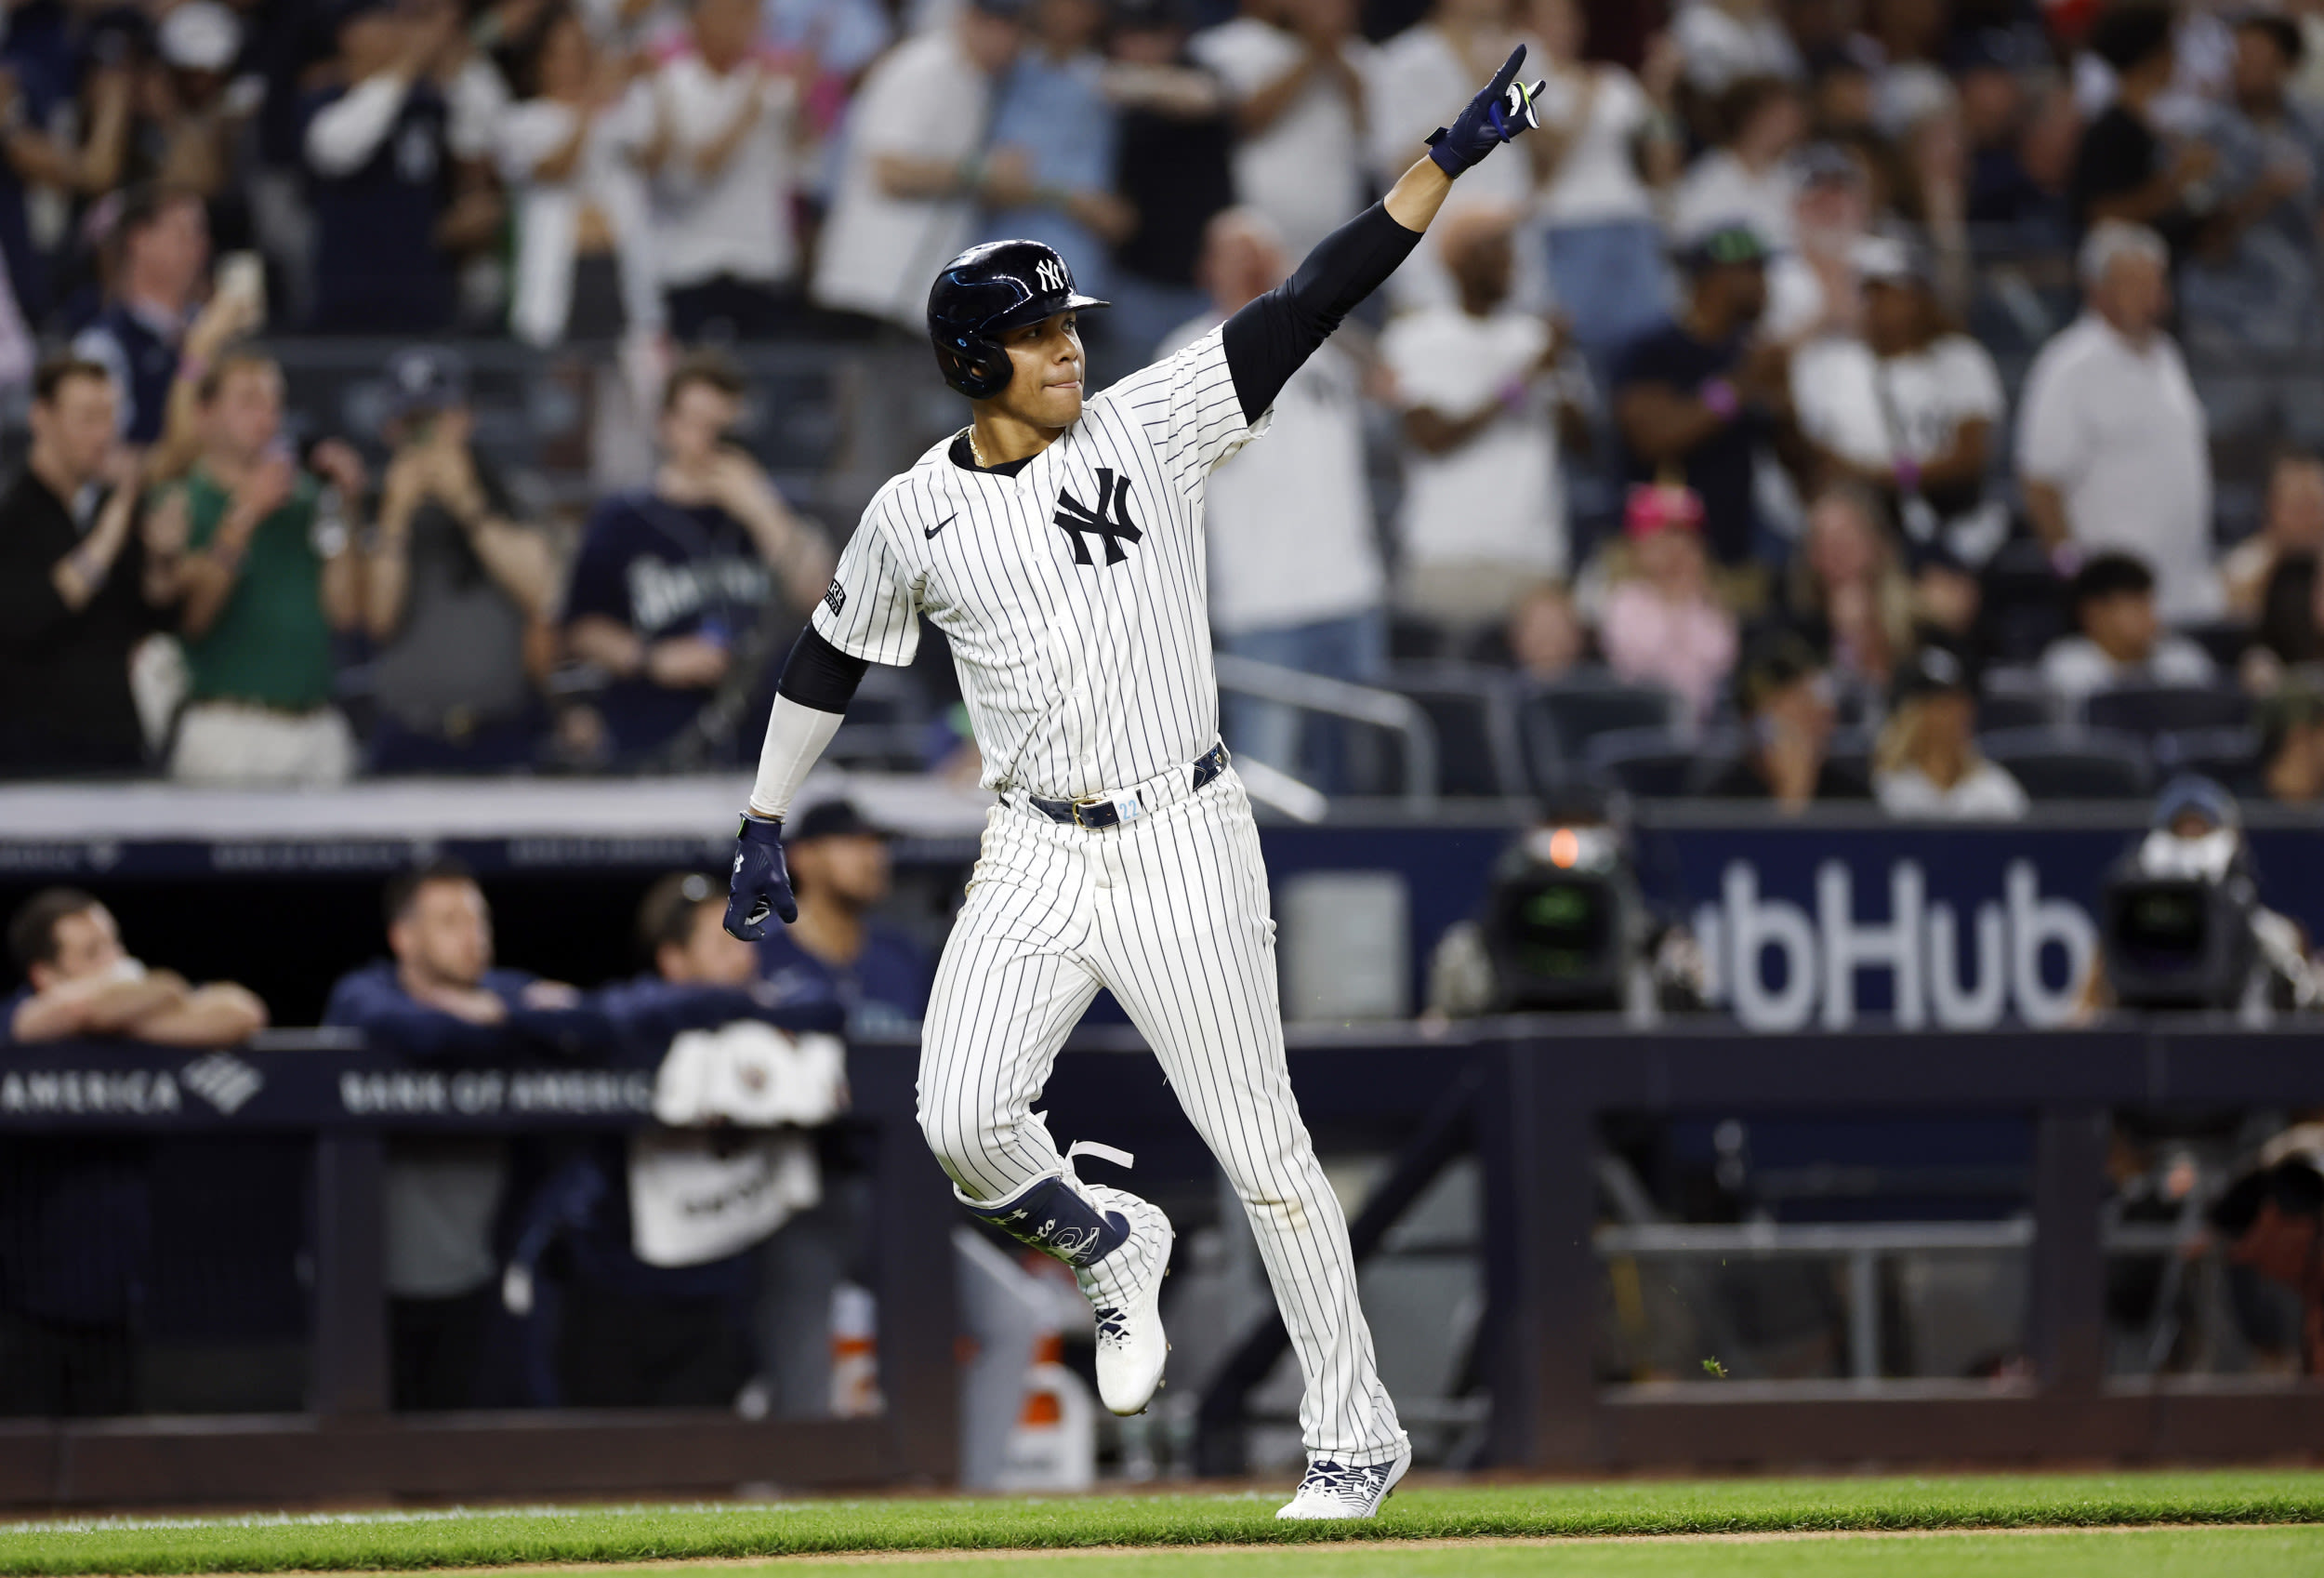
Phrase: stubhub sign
pixel 1960 927
pixel 1966 962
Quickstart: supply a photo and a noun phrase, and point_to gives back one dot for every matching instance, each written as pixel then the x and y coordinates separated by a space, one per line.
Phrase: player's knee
pixel 961 1141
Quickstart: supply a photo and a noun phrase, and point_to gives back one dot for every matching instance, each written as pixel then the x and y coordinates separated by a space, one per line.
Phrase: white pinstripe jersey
pixel 1072 593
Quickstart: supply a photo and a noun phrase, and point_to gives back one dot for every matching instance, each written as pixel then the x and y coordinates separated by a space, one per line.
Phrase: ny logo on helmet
pixel 1052 275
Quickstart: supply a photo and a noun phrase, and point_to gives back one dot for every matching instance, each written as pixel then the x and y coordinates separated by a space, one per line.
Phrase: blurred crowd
pixel 1856 374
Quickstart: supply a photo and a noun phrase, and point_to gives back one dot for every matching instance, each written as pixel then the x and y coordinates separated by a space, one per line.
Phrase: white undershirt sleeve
pixel 796 738
pixel 344 134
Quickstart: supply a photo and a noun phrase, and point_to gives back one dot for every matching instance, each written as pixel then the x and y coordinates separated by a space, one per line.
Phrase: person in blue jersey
pixel 839 870
pixel 675 581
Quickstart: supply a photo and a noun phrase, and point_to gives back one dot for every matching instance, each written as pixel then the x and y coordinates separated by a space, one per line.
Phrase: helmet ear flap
pixel 977 367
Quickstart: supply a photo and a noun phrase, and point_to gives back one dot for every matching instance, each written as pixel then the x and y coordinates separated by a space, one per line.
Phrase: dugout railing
pixel 1525 1097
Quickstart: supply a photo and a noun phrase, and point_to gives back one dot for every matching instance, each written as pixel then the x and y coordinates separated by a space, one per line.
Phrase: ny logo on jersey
pixel 1110 520
pixel 1052 275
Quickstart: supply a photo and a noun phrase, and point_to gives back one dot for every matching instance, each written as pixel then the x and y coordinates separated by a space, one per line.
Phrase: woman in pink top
pixel 1660 623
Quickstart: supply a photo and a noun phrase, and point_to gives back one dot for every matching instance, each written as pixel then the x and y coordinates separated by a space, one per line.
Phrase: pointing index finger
pixel 1508 72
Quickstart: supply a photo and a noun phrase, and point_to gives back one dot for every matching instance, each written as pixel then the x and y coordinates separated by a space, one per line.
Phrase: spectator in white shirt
pixel 1926 764
pixel 2123 641
pixel 1295 571
pixel 1300 111
pixel 1907 409
pixel 1416 77
pixel 2111 443
pixel 583 264
pixel 719 159
pixel 1483 504
pixel 1748 179
pixel 911 175
pixel 1608 144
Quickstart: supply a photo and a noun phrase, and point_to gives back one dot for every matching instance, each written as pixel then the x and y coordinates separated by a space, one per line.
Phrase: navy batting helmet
pixel 997 285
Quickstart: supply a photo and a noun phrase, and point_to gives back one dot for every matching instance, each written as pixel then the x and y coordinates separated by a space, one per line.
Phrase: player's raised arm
pixel 1268 339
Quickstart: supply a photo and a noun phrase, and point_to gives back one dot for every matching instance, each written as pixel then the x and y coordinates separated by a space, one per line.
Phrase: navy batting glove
pixel 1503 110
pixel 762 883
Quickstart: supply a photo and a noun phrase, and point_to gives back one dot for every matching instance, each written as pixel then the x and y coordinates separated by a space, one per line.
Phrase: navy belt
pixel 1128 805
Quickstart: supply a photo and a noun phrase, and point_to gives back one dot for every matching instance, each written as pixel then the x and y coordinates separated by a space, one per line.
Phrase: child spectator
pixel 1660 624
pixel 1785 696
pixel 1926 764
pixel 2122 640
pixel 1847 594
pixel 1748 178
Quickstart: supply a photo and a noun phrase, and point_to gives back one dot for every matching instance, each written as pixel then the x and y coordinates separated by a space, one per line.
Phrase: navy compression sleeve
pixel 818 674
pixel 1268 339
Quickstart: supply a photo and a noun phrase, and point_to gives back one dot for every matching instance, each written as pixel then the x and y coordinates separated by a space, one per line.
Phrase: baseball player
pixel 1058 542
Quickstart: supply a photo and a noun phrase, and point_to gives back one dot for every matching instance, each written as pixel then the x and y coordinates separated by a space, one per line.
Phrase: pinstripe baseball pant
pixel 1170 913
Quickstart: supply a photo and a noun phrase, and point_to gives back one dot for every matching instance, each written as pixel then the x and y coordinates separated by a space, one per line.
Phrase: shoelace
pixel 1111 1326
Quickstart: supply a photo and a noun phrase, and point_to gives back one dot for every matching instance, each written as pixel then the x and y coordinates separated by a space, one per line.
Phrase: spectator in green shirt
pixel 270 575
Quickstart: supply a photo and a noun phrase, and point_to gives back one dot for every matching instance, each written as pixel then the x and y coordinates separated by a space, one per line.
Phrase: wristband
pixel 192 369
pixel 1908 474
pixel 1719 398
pixel 1514 393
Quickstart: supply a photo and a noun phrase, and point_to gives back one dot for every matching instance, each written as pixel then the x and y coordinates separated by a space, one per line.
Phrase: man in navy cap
pixel 839 873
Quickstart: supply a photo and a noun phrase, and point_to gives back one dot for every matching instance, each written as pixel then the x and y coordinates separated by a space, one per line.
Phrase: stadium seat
pixel 2148 710
pixel 2225 642
pixel 2224 754
pixel 1558 720
pixel 2024 603
pixel 2015 697
pixel 2070 764
pixel 1653 762
pixel 1475 717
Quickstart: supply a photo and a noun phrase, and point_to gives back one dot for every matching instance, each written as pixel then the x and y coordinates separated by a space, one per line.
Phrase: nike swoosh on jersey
pixel 932 531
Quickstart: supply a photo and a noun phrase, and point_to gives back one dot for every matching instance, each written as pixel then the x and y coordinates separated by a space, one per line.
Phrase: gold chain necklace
pixel 976 453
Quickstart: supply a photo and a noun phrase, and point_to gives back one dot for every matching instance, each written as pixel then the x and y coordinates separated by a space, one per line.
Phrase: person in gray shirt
pixel 455 588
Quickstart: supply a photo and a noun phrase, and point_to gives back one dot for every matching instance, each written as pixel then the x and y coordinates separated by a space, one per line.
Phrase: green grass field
pixel 2205 1507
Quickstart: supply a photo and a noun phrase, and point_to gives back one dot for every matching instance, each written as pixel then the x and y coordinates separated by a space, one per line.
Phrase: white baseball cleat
pixel 1334 1491
pixel 1125 1292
